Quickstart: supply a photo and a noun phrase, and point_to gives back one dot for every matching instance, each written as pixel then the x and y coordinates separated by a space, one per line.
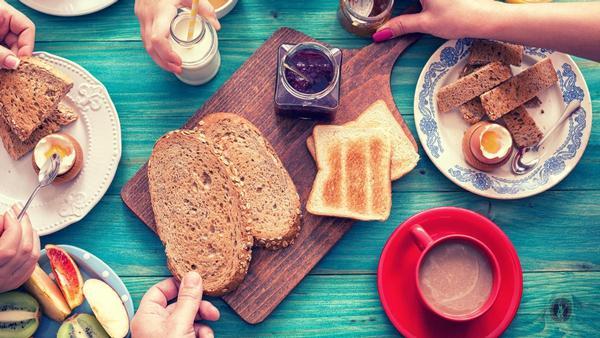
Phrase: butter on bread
pixel 379 116
pixel 30 94
pixel 353 178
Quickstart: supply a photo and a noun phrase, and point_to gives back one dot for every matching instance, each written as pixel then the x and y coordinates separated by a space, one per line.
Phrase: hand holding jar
pixel 155 18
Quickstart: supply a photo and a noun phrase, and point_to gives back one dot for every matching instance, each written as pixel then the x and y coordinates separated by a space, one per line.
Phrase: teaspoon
pixel 528 158
pixel 47 174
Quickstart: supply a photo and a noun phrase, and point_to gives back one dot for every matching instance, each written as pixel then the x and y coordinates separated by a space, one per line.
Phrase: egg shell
pixel 77 166
pixel 470 157
pixel 476 145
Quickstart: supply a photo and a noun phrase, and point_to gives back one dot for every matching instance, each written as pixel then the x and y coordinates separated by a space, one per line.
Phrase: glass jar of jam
pixel 308 80
pixel 200 55
pixel 363 17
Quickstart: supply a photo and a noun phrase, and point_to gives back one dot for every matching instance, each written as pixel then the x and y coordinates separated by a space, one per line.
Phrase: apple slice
pixel 67 275
pixel 107 307
pixel 42 288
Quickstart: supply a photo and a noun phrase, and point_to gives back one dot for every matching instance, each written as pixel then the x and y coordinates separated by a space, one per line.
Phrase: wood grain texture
pixel 249 93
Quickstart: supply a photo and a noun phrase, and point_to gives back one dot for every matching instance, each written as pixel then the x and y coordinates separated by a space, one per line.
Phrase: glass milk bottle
pixel 199 55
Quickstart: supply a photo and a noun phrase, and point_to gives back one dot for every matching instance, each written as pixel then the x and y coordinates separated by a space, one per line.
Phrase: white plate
pixel 90 266
pixel 98 131
pixel 226 8
pixel 441 134
pixel 68 7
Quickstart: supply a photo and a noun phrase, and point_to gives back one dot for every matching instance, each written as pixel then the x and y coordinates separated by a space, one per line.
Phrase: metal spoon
pixel 47 174
pixel 297 72
pixel 362 7
pixel 528 158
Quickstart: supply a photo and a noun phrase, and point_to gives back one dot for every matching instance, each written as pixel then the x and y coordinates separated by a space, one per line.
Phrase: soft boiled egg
pixel 491 143
pixel 55 144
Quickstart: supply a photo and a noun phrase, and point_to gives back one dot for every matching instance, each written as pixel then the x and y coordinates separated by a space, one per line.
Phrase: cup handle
pixel 421 237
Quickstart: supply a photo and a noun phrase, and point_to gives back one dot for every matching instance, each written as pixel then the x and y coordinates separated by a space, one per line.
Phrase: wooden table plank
pixel 349 306
pixel 555 243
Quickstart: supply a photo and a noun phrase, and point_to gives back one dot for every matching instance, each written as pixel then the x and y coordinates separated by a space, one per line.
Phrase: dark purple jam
pixel 315 66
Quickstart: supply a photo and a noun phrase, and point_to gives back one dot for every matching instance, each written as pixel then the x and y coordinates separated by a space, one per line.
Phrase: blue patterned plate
pixel 441 134
pixel 90 267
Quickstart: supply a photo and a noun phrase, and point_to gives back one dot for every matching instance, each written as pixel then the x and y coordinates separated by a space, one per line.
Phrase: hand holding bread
pixel 17 36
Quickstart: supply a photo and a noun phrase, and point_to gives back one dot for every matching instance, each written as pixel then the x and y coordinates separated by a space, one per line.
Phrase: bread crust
pixel 293 229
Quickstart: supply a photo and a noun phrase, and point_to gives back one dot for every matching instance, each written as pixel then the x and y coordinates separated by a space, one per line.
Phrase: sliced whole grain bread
pixel 519 89
pixel 471 86
pixel 29 94
pixel 17 148
pixel 273 205
pixel 198 212
pixel 485 51
pixel 353 178
pixel 522 127
pixel 472 111
pixel 377 115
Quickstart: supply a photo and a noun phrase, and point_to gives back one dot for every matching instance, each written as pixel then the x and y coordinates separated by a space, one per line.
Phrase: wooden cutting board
pixel 249 93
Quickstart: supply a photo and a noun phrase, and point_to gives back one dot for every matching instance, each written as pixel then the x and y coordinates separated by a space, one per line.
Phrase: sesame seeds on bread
pixel 30 94
pixel 273 205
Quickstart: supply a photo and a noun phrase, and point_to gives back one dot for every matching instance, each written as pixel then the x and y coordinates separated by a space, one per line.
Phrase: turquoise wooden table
pixel 556 234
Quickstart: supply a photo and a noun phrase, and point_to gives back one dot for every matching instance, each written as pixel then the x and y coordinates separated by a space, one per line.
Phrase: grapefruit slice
pixel 67 275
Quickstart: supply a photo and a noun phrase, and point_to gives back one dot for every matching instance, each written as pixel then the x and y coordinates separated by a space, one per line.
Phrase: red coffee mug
pixel 425 243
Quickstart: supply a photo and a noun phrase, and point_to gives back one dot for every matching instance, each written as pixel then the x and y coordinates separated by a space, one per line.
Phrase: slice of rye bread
pixel 519 89
pixel 273 205
pixel 353 178
pixel 522 127
pixel 377 115
pixel 17 148
pixel 471 86
pixel 198 212
pixel 472 111
pixel 29 94
pixel 485 51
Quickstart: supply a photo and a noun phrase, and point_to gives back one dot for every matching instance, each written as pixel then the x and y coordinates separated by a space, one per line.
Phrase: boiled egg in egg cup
pixel 69 150
pixel 487 146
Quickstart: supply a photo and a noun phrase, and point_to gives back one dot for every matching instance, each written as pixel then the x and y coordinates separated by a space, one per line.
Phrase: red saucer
pixel 396 276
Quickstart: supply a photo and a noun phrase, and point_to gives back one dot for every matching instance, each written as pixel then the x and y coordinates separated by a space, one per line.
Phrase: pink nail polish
pixel 383 35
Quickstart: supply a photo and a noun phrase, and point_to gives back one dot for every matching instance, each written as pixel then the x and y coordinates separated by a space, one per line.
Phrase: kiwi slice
pixel 81 325
pixel 19 315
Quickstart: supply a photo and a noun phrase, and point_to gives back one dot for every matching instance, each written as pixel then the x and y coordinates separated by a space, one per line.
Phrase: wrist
pixel 492 17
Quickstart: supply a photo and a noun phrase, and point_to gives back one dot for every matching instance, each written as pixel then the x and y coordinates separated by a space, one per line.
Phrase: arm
pixel 572 28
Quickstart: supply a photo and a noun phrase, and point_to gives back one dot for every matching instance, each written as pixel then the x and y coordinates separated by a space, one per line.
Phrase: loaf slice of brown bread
pixel 273 204
pixel 198 212
pixel 519 89
pixel 17 148
pixel 522 127
pixel 472 85
pixel 472 111
pixel 29 94
pixel 485 51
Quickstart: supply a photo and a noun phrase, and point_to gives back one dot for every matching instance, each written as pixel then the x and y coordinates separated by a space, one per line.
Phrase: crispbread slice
pixel 353 178
pixel 519 89
pixel 485 51
pixel 198 211
pixel 29 94
pixel 470 86
pixel 17 148
pixel 377 115
pixel 273 204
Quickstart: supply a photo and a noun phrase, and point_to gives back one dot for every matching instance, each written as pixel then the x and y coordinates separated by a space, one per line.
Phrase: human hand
pixel 17 36
pixel 19 249
pixel 441 18
pixel 155 21
pixel 156 318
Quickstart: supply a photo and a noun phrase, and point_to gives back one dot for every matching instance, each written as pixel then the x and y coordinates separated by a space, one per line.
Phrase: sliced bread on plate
pixel 30 94
pixel 268 192
pixel 353 178
pixel 198 213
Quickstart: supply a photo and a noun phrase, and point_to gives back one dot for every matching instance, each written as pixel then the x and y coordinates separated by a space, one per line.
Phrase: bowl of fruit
pixel 71 293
